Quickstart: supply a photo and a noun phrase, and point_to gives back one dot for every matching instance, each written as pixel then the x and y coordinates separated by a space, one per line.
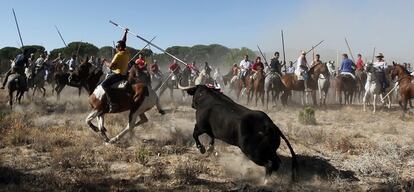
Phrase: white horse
pixel 324 82
pixel 373 87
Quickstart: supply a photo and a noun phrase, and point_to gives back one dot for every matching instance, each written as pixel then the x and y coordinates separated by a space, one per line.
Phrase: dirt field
pixel 45 145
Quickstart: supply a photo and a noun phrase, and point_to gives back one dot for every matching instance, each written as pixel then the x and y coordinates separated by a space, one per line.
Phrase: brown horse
pixel 347 85
pixel 361 79
pixel 405 83
pixel 291 82
pixel 258 86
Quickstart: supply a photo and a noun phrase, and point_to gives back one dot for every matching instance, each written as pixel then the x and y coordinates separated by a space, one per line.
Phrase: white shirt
pixel 244 65
pixel 39 62
pixel 72 63
pixel 290 70
pixel 380 65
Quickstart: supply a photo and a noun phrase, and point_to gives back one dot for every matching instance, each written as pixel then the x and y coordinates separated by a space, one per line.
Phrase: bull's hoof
pixel 202 149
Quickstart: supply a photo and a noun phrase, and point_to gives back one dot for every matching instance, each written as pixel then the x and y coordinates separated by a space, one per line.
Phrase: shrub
pixel 307 116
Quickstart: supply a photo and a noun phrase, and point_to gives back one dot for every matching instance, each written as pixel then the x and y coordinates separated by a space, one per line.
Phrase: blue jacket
pixel 346 66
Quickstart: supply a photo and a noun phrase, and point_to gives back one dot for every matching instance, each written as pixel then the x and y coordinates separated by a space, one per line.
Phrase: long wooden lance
pixel 313 47
pixel 349 49
pixel 18 29
pixel 60 35
pixel 261 53
pixel 143 39
pixel 140 51
pixel 283 49
pixel 77 51
pixel 373 56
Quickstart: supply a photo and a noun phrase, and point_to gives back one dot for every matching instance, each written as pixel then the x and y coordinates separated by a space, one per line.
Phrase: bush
pixel 307 116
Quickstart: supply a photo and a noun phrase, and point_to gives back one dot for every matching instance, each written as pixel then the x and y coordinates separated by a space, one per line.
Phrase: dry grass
pixel 45 146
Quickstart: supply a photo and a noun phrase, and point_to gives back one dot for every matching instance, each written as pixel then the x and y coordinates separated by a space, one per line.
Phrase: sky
pixel 385 25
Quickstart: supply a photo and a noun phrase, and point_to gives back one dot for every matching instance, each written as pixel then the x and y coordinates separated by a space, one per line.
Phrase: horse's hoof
pixel 162 112
pixel 202 149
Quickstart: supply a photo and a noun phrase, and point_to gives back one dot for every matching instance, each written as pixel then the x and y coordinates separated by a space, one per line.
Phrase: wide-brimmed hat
pixel 380 55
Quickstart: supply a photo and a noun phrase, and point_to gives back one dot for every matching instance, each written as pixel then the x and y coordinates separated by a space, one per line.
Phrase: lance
pixel 18 29
pixel 349 49
pixel 60 35
pixel 77 51
pixel 283 49
pixel 261 53
pixel 140 51
pixel 373 56
pixel 313 47
pixel 159 48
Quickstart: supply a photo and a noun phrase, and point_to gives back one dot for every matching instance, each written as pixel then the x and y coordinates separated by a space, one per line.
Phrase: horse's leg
pixel 101 127
pixel 158 105
pixel 89 119
pixel 374 102
pixel 11 99
pixel 267 99
pixel 44 92
pixel 364 100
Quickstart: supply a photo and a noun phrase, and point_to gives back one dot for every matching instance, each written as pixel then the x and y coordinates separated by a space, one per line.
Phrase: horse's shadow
pixel 310 167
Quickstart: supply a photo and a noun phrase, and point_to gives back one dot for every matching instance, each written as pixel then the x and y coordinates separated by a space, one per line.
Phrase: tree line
pixel 214 54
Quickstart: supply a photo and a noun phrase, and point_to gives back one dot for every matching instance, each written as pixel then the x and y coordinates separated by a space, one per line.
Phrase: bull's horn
pixel 185 88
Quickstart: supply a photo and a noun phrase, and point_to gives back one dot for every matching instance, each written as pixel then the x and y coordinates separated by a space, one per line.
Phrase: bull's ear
pixel 192 90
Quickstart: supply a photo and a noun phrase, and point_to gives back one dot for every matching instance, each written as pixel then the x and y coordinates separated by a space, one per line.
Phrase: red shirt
pixel 174 66
pixel 257 65
pixel 140 63
pixel 359 64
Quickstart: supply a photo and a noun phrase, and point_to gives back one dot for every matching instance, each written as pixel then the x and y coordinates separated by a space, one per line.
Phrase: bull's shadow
pixel 310 167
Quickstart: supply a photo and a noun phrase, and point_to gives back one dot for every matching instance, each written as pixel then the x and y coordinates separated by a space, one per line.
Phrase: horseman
pixel 381 66
pixel 257 67
pixel 175 69
pixel 139 72
pixel 234 70
pixel 207 69
pixel 58 63
pixel 359 63
pixel 194 70
pixel 245 66
pixel 72 65
pixel 118 66
pixel 40 64
pixel 317 60
pixel 290 69
pixel 302 67
pixel 155 70
pixel 18 66
pixel 347 66
pixel 275 64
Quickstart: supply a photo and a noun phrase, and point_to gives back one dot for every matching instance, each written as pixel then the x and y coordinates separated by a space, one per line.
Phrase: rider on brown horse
pixel 139 72
pixel 119 67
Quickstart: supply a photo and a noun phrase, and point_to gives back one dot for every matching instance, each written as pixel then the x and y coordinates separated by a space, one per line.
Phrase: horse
pixel 272 87
pixel 324 82
pixel 361 79
pixel 345 83
pixel 406 85
pixel 171 82
pixel 373 86
pixel 258 86
pixel 137 98
pixel 291 82
pixel 203 78
pixel 230 80
pixel 16 83
pixel 37 80
pixel 85 76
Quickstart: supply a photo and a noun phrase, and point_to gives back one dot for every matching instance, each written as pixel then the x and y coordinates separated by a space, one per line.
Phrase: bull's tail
pixel 294 159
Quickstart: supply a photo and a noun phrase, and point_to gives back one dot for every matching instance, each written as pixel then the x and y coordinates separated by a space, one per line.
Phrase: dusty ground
pixel 46 146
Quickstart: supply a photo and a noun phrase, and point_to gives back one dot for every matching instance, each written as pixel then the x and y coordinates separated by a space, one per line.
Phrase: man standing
pixel 381 67
pixel 20 62
pixel 119 67
pixel 275 64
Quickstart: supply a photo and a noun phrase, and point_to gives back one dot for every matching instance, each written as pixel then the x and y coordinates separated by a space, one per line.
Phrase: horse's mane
pixel 404 69
pixel 311 70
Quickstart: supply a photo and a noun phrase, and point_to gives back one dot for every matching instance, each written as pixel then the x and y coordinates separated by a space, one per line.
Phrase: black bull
pixel 252 131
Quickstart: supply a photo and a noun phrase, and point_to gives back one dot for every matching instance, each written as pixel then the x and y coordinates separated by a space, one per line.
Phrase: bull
pixel 252 131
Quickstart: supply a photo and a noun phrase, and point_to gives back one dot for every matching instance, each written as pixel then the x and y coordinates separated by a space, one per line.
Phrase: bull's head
pixel 198 92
